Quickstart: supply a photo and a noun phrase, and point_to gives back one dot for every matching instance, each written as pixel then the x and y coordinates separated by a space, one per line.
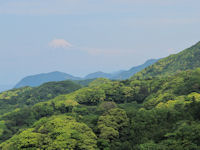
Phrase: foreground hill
pixel 27 96
pixel 37 80
pixel 158 113
pixel 187 59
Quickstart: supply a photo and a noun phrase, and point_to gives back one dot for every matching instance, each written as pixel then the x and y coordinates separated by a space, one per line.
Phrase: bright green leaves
pixel 57 132
pixel 26 140
pixel 185 136
pixel 167 116
pixel 105 106
pixel 111 123
pixel 108 133
pixel 13 93
pixel 90 96
pixel 113 126
pixel 152 146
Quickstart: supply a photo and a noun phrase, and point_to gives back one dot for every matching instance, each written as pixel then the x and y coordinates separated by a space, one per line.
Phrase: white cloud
pixel 59 43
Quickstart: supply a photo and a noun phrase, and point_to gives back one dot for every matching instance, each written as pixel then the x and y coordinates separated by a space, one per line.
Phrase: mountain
pixel 27 96
pixel 39 79
pixel 123 74
pixel 127 74
pixel 139 113
pixel 185 60
pixel 98 74
pixel 169 116
pixel 36 80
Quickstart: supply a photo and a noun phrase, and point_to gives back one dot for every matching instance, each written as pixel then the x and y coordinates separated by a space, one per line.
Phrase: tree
pixel 112 124
pixel 56 132
pixel 90 96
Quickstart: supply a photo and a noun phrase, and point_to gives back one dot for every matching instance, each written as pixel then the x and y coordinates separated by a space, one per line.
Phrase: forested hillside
pixel 187 59
pixel 156 110
pixel 134 114
pixel 27 96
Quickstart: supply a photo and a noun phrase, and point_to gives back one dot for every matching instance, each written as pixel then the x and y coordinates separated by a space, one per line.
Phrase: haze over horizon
pixel 84 36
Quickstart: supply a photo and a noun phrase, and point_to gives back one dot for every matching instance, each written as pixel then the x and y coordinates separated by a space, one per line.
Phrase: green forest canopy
pixel 157 109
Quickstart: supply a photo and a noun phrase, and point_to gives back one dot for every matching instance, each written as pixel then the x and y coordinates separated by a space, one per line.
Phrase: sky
pixel 84 36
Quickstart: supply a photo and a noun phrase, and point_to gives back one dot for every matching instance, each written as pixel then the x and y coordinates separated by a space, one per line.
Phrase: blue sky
pixel 83 36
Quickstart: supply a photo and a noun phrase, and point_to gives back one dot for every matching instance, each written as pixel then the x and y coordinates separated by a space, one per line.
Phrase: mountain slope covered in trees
pixel 132 114
pixel 187 59
pixel 27 96
pixel 154 113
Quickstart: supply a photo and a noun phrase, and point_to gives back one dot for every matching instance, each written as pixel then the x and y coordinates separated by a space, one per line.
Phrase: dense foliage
pixel 28 96
pixel 157 113
pixel 57 132
pixel 154 113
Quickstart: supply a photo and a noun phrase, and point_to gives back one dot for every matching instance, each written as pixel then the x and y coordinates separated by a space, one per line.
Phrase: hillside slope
pixel 187 59
pixel 107 115
pixel 159 113
pixel 27 96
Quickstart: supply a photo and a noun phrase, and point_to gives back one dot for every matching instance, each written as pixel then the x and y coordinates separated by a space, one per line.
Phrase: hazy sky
pixel 84 36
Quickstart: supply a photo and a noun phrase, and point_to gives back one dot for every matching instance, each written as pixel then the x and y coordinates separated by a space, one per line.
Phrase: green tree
pixel 56 132
pixel 112 124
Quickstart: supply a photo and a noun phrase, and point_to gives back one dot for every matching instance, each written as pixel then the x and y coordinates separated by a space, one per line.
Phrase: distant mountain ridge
pixel 98 74
pixel 121 75
pixel 127 74
pixel 37 80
